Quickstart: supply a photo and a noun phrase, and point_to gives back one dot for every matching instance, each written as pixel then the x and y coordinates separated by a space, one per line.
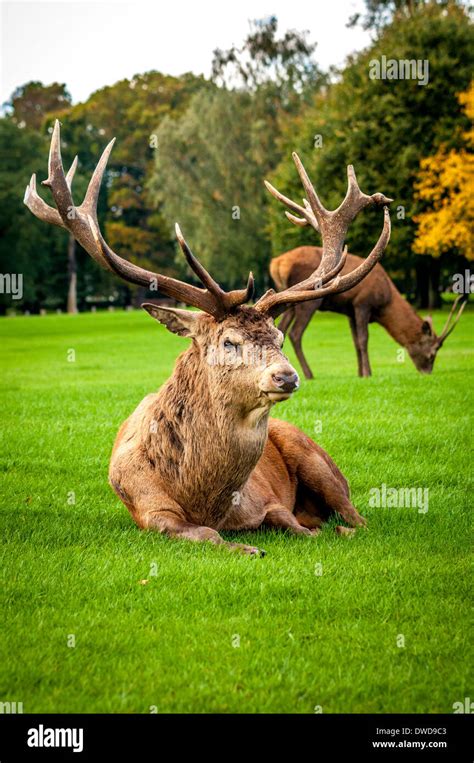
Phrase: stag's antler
pixel 83 224
pixel 450 323
pixel 333 226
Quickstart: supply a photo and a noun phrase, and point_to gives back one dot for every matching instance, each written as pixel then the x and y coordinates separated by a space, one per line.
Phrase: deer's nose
pixel 286 381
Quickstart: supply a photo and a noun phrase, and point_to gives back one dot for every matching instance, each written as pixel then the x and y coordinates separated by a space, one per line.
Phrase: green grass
pixel 306 640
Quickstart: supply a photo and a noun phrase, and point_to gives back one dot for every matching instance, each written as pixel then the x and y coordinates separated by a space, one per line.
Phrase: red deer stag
pixel 201 455
pixel 375 299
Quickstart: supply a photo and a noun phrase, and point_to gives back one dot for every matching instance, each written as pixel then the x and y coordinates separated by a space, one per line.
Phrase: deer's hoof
pixel 254 551
pixel 348 532
pixel 247 550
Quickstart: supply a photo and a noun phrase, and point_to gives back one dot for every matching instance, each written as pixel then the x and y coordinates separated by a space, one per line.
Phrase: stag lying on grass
pixel 376 299
pixel 201 455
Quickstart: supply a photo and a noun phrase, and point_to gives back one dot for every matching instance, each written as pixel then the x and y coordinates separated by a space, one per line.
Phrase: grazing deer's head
pixel 424 348
pixel 235 345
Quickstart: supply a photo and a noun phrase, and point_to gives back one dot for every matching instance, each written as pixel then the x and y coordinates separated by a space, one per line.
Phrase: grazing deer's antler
pixel 82 222
pixel 450 324
pixel 333 226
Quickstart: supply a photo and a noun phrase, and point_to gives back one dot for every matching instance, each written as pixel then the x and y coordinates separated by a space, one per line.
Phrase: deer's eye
pixel 228 345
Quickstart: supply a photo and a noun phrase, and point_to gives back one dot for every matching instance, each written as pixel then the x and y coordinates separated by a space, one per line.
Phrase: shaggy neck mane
pixel 206 446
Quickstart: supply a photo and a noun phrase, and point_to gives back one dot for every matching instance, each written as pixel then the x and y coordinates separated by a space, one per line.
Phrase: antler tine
pixel 447 329
pixel 355 200
pixel 227 300
pixel 320 212
pixel 333 226
pixel 201 272
pixel 83 224
pixel 89 205
pixel 56 179
pixel 306 211
pixel 40 209
pixel 71 173
pixel 271 302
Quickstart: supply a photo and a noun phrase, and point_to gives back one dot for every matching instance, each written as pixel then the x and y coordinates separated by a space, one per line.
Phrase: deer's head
pixel 424 349
pixel 238 346
pixel 240 354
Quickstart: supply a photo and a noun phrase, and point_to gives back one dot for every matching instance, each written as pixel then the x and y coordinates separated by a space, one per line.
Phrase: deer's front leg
pixel 174 526
pixel 152 509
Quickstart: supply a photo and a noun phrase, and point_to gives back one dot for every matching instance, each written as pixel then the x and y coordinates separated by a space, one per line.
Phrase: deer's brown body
pixel 375 299
pixel 201 455
pixel 192 459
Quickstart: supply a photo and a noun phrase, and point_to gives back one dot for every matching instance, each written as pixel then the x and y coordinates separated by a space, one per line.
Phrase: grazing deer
pixel 202 455
pixel 374 299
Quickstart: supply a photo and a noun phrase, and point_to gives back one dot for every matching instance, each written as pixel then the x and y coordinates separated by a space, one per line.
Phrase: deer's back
pixel 375 290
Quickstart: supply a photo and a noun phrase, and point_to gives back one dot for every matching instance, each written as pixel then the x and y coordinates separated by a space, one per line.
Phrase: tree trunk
pixel 422 282
pixel 72 273
pixel 435 272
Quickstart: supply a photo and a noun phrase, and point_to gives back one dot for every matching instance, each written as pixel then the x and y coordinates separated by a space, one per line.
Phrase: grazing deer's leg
pixel 280 518
pixel 303 315
pixel 286 320
pixel 361 319
pixel 355 339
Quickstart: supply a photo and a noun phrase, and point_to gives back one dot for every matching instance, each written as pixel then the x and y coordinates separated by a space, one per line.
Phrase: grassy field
pixel 376 623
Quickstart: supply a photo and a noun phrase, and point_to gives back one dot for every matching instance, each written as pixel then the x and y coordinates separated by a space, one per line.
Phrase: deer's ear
pixel 427 325
pixel 181 322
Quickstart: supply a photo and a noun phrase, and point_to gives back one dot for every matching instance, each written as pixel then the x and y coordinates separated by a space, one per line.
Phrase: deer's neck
pixel 400 320
pixel 202 443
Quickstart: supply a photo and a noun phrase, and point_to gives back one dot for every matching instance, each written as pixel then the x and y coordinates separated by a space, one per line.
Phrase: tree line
pixel 197 150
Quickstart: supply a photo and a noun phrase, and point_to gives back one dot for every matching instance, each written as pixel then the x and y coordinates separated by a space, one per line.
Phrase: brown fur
pixel 374 299
pixel 201 455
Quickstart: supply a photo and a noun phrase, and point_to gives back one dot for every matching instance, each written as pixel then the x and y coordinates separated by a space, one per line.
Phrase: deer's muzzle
pixel 279 382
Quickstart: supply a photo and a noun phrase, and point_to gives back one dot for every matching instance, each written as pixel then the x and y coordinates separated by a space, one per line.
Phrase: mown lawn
pixel 212 631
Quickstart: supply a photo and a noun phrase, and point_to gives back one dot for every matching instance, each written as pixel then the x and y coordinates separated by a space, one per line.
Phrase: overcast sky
pixel 91 44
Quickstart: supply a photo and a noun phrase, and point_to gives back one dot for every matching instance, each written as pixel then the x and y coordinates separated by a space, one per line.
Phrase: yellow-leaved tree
pixel 446 184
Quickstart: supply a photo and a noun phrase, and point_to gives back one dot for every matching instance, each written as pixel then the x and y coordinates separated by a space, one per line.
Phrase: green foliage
pixel 188 150
pixel 306 639
pixel 25 247
pixel 382 127
pixel 212 161
pixel 283 66
pixel 209 177
pixel 378 13
pixel 30 103
pixel 129 110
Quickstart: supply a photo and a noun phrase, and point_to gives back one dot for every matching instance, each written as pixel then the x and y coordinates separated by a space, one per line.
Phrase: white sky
pixel 90 44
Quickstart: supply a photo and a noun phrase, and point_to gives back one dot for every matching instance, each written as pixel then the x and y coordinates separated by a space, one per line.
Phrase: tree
pixel 379 13
pixel 32 102
pixel 131 111
pixel 26 247
pixel 445 183
pixel 284 66
pixel 212 161
pixel 383 127
pixel 209 176
pixel 29 108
